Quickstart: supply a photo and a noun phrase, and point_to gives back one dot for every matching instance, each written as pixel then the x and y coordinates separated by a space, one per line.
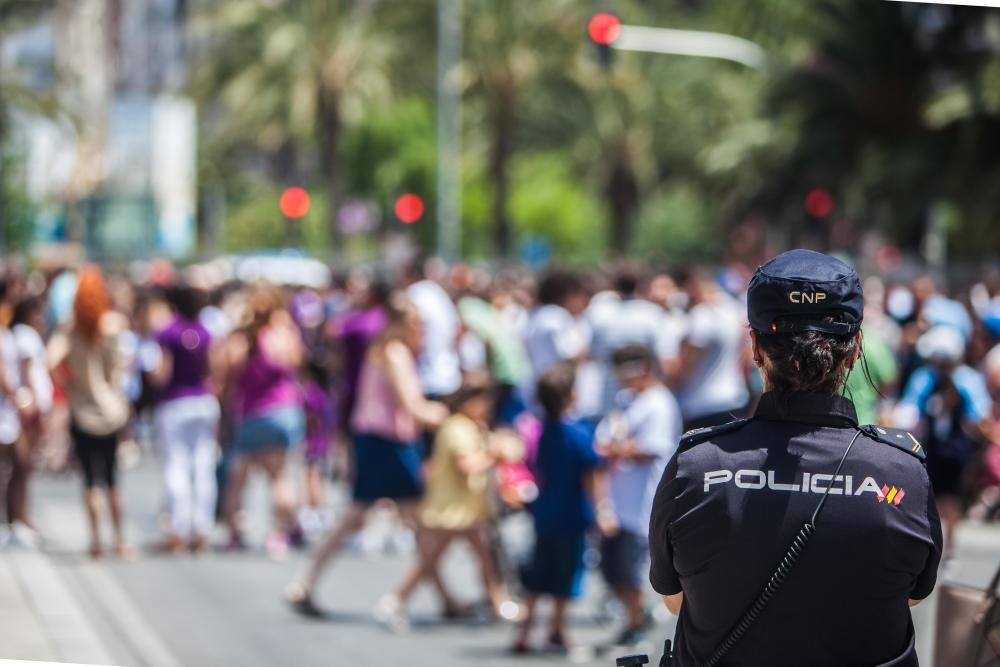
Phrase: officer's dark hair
pixel 555 389
pixel 557 286
pixel 808 361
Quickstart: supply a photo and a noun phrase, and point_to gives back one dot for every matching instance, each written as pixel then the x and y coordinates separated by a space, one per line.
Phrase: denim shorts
pixel 278 428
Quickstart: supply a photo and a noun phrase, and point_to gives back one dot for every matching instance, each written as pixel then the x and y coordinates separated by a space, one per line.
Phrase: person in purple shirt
pixel 264 360
pixel 355 331
pixel 186 420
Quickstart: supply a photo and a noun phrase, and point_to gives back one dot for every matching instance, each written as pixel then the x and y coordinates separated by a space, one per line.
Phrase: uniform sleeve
pixel 662 575
pixel 928 578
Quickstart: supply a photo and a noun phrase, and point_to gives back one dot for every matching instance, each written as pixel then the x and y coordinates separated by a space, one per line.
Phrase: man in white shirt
pixel 636 440
pixel 553 333
pixel 711 376
pixel 438 363
pixel 627 320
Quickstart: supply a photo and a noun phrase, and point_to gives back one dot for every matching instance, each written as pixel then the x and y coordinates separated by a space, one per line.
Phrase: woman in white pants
pixel 186 421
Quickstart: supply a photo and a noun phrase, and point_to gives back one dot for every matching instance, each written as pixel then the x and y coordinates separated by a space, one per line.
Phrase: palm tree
pixel 511 50
pixel 16 95
pixel 290 74
pixel 865 107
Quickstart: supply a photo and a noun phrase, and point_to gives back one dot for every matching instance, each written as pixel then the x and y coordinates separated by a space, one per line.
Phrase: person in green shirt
pixel 880 360
pixel 509 365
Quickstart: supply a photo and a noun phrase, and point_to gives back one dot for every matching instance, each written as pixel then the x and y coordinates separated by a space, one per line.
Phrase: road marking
pixel 126 617
pixel 50 600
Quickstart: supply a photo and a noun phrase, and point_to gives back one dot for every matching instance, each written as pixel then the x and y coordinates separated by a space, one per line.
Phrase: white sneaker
pixel 401 542
pixel 23 535
pixel 390 612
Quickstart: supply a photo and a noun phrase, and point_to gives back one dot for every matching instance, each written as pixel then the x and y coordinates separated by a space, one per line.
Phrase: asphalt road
pixel 226 609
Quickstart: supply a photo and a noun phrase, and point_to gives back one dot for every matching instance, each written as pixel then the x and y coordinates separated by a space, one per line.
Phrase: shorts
pixel 278 428
pixel 624 559
pixel 386 469
pixel 556 566
pixel 946 475
pixel 97 455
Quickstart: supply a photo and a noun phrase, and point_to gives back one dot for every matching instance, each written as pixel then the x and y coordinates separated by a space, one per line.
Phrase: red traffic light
pixel 819 203
pixel 604 28
pixel 294 202
pixel 409 208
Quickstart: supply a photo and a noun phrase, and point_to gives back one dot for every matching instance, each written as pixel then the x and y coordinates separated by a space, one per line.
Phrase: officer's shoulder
pixel 699 435
pixel 896 437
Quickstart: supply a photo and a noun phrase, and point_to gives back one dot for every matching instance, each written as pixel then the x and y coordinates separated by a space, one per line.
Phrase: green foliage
pixel 891 106
pixel 392 151
pixel 17 213
pixel 548 202
pixel 255 222
pixel 676 226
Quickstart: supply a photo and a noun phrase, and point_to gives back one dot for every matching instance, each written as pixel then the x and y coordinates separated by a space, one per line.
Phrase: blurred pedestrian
pixel 268 413
pixel 438 362
pixel 629 320
pixel 711 382
pixel 186 421
pixel 14 446
pixel 320 423
pixel 553 334
pixel 390 411
pixel 569 490
pixel 99 408
pixel 34 399
pixel 636 440
pixel 457 506
pixel 947 404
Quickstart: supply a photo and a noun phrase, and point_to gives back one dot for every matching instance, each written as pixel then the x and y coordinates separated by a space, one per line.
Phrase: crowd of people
pixel 451 397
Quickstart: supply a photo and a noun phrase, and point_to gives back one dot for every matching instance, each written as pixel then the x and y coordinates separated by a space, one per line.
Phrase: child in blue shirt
pixel 566 468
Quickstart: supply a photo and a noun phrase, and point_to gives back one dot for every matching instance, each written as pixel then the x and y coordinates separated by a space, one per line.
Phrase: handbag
pixel 968 626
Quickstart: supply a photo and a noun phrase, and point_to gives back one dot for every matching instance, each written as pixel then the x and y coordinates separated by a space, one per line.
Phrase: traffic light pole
pixel 690 43
pixel 449 129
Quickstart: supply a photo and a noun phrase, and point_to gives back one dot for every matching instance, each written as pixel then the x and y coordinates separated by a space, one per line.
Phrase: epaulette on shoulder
pixel 694 436
pixel 896 437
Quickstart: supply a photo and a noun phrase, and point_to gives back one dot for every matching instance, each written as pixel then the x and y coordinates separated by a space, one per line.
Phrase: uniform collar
pixel 822 409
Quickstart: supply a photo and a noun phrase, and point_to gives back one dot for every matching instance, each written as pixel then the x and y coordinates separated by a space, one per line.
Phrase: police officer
pixel 797 536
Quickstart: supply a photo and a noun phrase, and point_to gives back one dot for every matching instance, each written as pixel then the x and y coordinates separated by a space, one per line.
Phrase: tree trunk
pixel 622 192
pixel 285 165
pixel 329 145
pixel 502 149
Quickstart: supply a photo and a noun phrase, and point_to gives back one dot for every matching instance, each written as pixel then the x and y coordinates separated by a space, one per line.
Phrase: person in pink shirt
pixel 388 418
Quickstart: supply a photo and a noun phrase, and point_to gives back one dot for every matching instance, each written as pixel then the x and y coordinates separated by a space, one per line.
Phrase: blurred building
pixel 115 171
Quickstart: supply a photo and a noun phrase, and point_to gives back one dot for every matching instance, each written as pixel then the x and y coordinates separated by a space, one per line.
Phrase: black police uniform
pixel 733 498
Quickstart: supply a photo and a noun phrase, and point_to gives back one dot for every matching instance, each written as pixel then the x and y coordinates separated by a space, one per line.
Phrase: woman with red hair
pixel 99 409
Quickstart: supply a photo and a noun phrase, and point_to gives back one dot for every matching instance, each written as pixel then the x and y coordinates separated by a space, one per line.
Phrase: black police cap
pixel 799 290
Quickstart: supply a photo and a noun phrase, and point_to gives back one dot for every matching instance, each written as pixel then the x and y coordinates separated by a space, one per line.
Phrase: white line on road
pixel 123 614
pixel 64 622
